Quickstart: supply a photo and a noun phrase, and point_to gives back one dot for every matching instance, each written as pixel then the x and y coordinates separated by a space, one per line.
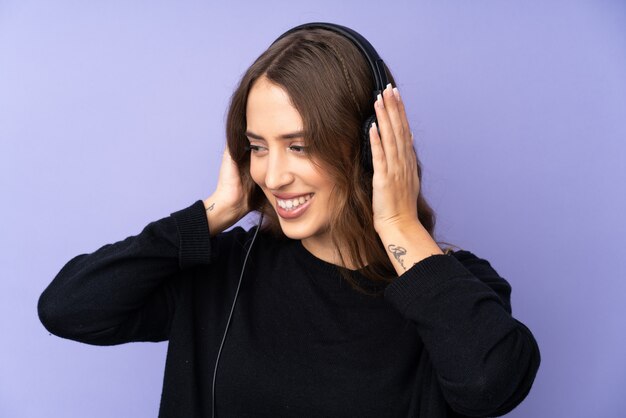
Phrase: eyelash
pixel 255 148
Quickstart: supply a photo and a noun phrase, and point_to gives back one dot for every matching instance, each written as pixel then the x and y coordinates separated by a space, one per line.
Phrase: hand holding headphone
pixel 229 202
pixel 396 184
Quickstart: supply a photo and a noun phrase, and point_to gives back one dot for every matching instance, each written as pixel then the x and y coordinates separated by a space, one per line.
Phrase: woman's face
pixel 278 164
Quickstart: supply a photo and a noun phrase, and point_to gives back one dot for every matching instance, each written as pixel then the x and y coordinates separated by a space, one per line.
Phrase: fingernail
pixel 379 100
pixel 396 93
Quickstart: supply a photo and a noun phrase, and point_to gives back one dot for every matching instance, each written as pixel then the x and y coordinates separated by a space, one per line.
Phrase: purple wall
pixel 112 116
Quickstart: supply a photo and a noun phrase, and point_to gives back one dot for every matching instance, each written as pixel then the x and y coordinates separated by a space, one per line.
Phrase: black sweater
pixel 440 341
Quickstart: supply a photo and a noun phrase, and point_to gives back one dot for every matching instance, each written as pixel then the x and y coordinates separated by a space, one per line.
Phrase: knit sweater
pixel 439 340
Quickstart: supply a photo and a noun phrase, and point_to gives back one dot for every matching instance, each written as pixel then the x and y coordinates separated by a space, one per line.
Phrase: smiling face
pixel 279 166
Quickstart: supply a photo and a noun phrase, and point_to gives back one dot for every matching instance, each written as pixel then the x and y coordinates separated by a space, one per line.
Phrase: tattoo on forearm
pixel 210 208
pixel 397 252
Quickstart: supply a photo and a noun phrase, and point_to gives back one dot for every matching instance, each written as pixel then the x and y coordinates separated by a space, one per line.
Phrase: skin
pixel 396 186
pixel 281 166
pixel 278 166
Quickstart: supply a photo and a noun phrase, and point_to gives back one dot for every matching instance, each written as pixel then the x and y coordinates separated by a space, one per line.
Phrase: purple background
pixel 112 116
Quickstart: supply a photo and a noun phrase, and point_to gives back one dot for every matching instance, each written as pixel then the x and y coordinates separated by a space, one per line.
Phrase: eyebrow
pixel 292 135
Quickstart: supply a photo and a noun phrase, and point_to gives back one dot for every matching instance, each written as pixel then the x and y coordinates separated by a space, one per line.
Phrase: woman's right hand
pixel 228 204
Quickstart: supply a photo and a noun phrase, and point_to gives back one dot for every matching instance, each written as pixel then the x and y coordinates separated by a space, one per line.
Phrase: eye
pixel 299 149
pixel 253 148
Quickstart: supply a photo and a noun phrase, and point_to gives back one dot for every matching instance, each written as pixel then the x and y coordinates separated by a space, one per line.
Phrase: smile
pixel 293 208
pixel 291 204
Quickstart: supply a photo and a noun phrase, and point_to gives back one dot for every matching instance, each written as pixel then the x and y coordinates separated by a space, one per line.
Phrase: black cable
pixel 229 317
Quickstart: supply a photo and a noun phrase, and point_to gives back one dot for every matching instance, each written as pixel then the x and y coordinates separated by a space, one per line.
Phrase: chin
pixel 294 231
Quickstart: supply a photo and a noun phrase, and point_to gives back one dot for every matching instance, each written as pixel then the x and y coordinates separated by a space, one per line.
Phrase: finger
pixel 388 139
pixel 410 153
pixel 400 104
pixel 396 116
pixel 378 154
pixel 407 134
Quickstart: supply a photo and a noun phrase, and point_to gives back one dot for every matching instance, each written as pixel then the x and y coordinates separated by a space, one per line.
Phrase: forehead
pixel 269 111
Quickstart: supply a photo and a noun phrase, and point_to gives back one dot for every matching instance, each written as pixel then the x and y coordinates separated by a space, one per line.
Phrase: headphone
pixel 380 81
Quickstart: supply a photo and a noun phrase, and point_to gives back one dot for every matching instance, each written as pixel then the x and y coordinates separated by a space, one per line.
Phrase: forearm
pixel 407 245
pixel 219 215
pixel 100 297
pixel 486 360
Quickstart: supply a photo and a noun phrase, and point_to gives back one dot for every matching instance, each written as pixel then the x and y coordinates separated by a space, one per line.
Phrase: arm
pixel 407 245
pixel 126 291
pixel 220 215
pixel 485 359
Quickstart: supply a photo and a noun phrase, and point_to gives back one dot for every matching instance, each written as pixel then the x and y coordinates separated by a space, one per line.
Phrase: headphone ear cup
pixel 366 148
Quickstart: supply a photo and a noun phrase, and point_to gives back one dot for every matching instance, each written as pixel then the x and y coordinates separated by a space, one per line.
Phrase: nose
pixel 278 171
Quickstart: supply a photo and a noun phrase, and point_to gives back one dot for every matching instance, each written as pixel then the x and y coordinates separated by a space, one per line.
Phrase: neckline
pixel 310 259
pixel 330 269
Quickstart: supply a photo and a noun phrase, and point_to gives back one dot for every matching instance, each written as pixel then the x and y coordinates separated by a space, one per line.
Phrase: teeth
pixel 293 203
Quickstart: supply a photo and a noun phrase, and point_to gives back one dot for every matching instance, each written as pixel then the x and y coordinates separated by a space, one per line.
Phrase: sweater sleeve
pixel 485 359
pixel 126 291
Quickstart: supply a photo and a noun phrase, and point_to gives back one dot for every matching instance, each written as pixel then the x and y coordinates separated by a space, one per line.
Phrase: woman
pixel 348 306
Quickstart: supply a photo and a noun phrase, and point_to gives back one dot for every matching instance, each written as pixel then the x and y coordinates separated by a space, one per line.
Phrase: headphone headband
pixel 368 51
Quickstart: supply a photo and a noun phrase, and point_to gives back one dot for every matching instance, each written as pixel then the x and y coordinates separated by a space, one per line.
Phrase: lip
pixel 296 212
pixel 287 196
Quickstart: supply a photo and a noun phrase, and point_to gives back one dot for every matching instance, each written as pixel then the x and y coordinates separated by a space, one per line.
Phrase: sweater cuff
pixel 422 278
pixel 193 229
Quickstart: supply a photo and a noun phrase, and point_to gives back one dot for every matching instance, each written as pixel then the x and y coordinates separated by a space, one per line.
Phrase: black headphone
pixel 380 80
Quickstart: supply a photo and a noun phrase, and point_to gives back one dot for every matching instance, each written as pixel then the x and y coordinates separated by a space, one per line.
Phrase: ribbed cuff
pixel 193 229
pixel 422 278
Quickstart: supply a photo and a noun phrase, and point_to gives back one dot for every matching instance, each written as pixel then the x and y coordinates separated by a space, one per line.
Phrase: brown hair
pixel 330 85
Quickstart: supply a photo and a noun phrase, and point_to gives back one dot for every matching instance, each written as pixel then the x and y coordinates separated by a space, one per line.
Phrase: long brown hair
pixel 330 85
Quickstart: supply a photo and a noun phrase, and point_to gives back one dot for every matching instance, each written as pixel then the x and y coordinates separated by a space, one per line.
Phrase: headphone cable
pixel 229 318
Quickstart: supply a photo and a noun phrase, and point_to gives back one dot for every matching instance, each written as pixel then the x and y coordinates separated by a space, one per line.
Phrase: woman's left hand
pixel 396 184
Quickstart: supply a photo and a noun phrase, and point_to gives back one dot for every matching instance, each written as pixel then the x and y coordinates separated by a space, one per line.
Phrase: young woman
pixel 347 306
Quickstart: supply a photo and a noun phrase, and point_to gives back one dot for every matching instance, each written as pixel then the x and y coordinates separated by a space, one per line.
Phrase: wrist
pixel 407 244
pixel 219 215
pixel 398 224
